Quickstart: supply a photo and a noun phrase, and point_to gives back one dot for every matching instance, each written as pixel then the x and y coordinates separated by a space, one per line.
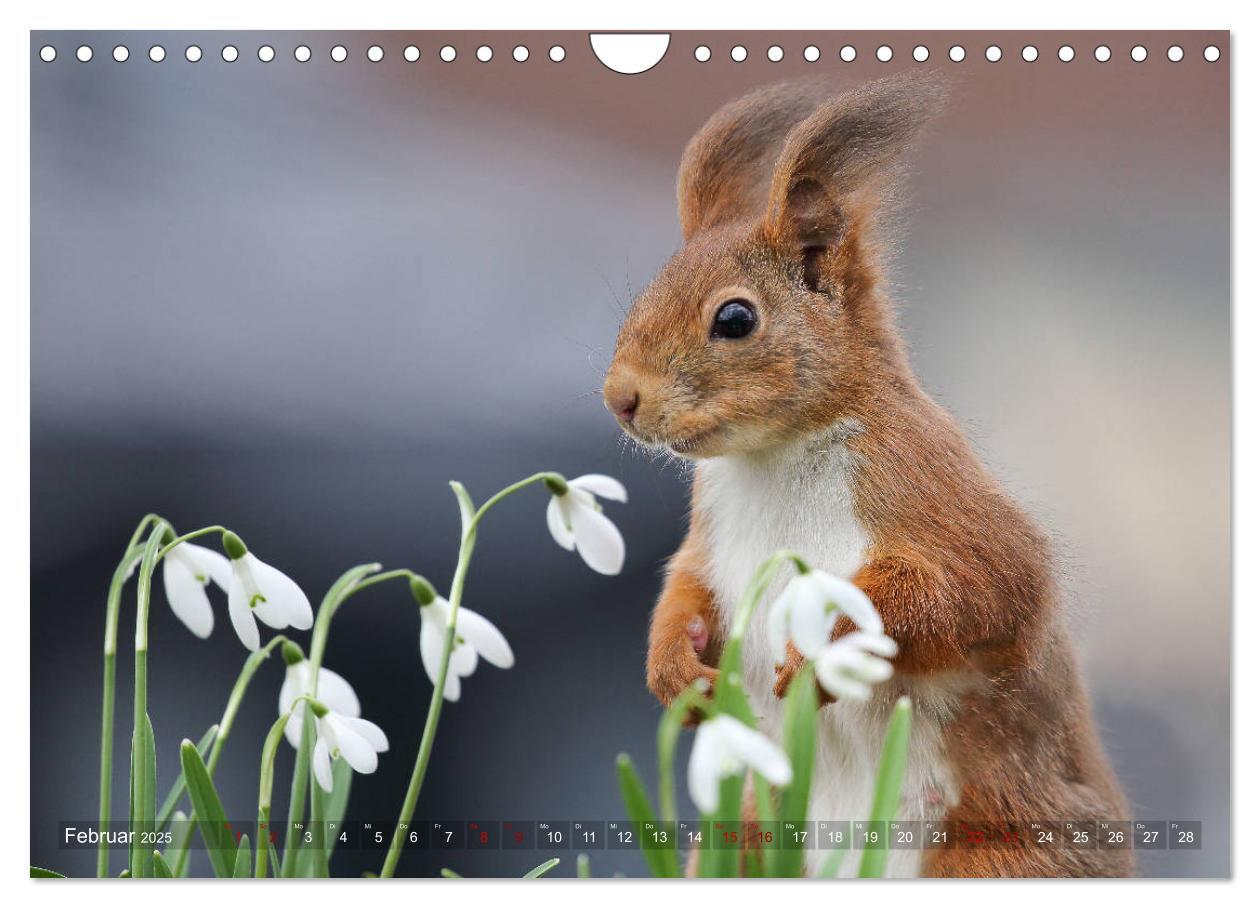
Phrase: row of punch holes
pixel 884 53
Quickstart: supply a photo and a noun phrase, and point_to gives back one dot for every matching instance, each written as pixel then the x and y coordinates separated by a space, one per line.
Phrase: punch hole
pixel 48 53
pixel 229 53
pixel 1029 53
pixel 447 53
pixel 1066 53
pixel 83 53
pixel 485 53
pixel 302 53
pixel 1102 53
pixel 1138 53
pixel 266 53
pixel 1211 53
pixel 883 53
pixel 339 54
pixel 556 54
pixel 411 53
pixel 157 53
pixel 993 53
pixel 702 54
pixel 848 53
pixel 628 54
pixel 921 53
pixel 958 53
pixel 121 54
pixel 812 54
pixel 739 53
pixel 774 53
pixel 375 53
pixel 520 53
pixel 192 53
pixel 1175 54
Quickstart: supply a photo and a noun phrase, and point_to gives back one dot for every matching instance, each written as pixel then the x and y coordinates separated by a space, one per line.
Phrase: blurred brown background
pixel 358 280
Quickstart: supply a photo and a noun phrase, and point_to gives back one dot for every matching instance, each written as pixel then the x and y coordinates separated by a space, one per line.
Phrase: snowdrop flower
pixel 186 571
pixel 475 637
pixel 724 747
pixel 851 665
pixel 355 740
pixel 576 520
pixel 257 590
pixel 807 610
pixel 332 690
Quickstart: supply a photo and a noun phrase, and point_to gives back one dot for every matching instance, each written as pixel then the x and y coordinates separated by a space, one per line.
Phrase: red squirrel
pixel 766 352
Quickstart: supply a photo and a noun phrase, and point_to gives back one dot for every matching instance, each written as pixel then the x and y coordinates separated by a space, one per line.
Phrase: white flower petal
pixel 603 486
pixel 186 594
pixel 293 687
pixel 556 522
pixel 485 637
pixel 810 624
pixel 212 564
pixel 336 693
pixel 755 750
pixel 843 687
pixel 350 745
pixel 285 601
pixel 704 770
pixel 321 764
pixel 463 660
pixel 432 641
pixel 851 600
pixel 598 541
pixel 777 623
pixel 293 728
pixel 368 731
pixel 241 614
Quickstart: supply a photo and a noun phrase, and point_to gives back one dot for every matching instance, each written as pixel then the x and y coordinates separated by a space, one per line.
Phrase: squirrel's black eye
pixel 735 318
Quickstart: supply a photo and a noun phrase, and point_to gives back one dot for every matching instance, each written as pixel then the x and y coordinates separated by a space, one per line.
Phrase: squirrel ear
pixel 725 169
pixel 848 147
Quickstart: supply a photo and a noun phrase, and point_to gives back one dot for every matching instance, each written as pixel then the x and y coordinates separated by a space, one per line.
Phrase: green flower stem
pixel 235 698
pixel 469 520
pixel 113 606
pixel 266 779
pixel 667 743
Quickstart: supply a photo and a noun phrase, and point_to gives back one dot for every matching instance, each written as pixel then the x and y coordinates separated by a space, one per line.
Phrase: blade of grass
pixel 450 874
pixel 892 771
pixel 661 862
pixel 335 811
pixel 211 821
pixel 800 729
pixel 43 873
pixel 584 866
pixel 161 870
pixel 242 867
pixel 542 868
pixel 167 809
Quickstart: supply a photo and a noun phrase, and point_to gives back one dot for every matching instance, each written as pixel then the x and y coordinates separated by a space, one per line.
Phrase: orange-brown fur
pixel 780 197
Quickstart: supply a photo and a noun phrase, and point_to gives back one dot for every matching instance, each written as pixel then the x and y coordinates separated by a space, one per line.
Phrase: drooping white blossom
pixel 186 571
pixel 808 608
pixel 577 521
pixel 724 747
pixel 475 637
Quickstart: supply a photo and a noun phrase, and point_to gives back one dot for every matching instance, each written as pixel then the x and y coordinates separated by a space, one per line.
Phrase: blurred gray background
pixel 296 299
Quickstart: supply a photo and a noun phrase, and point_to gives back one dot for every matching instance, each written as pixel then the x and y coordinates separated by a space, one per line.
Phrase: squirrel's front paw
pixel 671 673
pixel 785 673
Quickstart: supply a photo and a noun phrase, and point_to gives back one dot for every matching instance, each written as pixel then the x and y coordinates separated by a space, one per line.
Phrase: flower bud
pixel 292 653
pixel 555 484
pixel 422 590
pixel 233 547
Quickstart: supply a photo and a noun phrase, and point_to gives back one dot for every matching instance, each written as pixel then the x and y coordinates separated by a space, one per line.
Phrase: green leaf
pixel 161 869
pixel 542 868
pixel 335 809
pixel 800 729
pixel 450 874
pixel 126 874
pixel 181 834
pixel 584 866
pixel 241 869
pixel 143 797
pixel 892 771
pixel 211 821
pixel 661 862
pixel 177 790
pixel 41 873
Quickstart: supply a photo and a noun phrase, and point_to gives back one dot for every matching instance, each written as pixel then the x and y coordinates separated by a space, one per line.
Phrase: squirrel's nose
pixel 623 404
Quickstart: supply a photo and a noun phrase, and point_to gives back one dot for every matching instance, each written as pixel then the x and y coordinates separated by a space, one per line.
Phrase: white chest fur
pixel 800 497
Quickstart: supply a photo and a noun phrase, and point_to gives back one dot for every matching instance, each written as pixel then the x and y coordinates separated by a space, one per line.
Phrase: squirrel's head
pixel 766 322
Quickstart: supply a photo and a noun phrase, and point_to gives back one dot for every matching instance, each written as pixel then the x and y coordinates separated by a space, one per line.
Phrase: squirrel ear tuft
pixel 725 169
pixel 849 146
